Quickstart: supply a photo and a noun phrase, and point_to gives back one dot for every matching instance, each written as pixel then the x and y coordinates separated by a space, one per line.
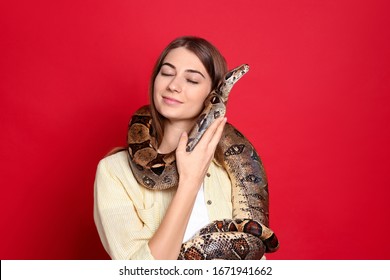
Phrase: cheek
pixel 157 88
pixel 202 95
pixel 156 85
pixel 202 98
pixel 198 100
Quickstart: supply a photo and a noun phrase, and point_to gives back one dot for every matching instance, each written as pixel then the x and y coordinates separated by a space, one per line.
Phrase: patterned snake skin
pixel 247 235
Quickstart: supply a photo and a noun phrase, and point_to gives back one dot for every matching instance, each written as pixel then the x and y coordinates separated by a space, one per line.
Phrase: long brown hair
pixel 211 59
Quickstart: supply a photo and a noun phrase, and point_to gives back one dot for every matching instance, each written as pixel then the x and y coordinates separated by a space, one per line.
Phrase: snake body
pixel 246 235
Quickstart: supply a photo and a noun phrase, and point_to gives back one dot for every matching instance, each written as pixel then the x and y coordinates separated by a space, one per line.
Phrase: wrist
pixel 189 185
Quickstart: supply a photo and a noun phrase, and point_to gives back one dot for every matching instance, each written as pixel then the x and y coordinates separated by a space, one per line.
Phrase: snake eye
pixel 215 100
pixel 228 75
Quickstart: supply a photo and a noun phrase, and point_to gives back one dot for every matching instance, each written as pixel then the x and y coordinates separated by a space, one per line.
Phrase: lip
pixel 171 101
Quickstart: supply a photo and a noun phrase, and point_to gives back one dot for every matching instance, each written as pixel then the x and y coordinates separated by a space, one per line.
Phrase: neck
pixel 172 133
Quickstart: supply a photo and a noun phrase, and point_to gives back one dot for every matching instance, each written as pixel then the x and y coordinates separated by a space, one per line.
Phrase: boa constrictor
pixel 247 235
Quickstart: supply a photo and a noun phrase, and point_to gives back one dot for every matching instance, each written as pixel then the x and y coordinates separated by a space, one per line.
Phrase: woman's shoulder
pixel 114 171
pixel 119 157
pixel 116 156
pixel 115 163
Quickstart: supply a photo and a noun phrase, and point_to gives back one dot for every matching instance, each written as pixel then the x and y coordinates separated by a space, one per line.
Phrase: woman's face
pixel 181 86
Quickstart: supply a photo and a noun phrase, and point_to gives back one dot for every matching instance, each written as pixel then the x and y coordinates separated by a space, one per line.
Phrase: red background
pixel 315 104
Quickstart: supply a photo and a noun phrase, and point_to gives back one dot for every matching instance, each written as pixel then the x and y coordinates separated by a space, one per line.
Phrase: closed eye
pixel 192 82
pixel 166 74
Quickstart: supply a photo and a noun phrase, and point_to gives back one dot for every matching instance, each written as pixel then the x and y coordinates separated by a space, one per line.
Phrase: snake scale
pixel 246 236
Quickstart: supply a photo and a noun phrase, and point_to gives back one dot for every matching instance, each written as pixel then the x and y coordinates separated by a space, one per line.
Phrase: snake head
pixel 230 79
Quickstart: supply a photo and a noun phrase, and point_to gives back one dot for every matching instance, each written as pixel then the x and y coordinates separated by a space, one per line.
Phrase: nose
pixel 175 85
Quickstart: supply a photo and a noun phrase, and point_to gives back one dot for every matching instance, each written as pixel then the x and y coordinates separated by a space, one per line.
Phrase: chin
pixel 178 116
pixel 169 113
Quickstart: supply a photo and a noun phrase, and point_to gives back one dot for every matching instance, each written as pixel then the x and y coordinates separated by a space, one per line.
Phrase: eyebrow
pixel 187 70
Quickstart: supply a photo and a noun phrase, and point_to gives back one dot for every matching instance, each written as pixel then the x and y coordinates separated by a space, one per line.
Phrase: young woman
pixel 138 223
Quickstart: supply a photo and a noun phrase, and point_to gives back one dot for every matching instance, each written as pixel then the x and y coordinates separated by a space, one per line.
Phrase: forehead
pixel 182 58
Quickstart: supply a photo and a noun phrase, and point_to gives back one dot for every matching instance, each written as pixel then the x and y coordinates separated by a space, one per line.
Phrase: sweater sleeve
pixel 123 233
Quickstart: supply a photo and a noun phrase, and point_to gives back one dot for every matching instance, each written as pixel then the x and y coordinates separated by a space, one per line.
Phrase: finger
pixel 218 133
pixel 207 136
pixel 181 147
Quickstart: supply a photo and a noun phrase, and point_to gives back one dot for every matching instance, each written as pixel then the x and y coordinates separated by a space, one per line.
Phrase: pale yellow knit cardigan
pixel 127 214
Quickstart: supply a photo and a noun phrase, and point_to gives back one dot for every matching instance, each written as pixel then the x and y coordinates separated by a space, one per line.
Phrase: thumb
pixel 181 147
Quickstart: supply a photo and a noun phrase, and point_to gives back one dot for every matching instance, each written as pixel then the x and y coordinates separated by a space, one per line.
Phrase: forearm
pixel 166 242
pixel 192 168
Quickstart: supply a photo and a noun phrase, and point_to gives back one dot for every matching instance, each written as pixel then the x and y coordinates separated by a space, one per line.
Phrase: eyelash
pixel 192 82
pixel 188 80
pixel 165 74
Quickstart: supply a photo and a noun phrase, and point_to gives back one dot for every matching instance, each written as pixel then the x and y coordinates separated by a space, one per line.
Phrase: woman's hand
pixel 193 166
